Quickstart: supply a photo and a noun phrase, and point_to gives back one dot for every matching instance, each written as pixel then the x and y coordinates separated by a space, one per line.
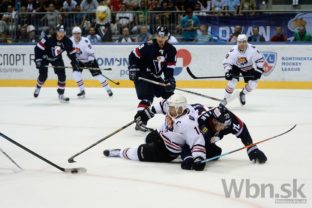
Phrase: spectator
pixel 22 36
pixel 231 7
pixel 132 4
pixel 31 31
pixel 24 18
pixel 217 6
pixel 279 36
pixel 52 16
pixel 166 16
pixel 115 5
pixel 124 18
pixel 4 5
pixel 302 35
pixel 144 35
pixel 69 5
pixel 93 37
pixel 256 37
pixel 125 38
pixel 247 5
pixel 103 26
pixel 10 14
pixel 202 35
pixel 30 5
pixel 237 31
pixel 189 25
pixel 89 5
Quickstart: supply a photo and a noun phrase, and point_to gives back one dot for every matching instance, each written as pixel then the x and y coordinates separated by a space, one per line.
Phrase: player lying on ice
pixel 183 132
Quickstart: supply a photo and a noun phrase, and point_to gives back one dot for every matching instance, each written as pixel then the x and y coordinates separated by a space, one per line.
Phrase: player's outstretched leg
pixel 78 78
pixel 104 83
pixel 61 85
pixel 229 90
pixel 127 153
pixel 251 85
pixel 43 75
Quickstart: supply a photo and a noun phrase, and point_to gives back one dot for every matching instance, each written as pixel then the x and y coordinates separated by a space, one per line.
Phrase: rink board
pixel 286 66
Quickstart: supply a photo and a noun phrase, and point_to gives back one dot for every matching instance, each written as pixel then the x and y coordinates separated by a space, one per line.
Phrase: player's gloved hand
pixel 229 75
pixel 256 155
pixel 187 163
pixel 143 116
pixel 38 63
pixel 170 85
pixel 133 72
pixel 258 73
pixel 75 65
pixel 198 165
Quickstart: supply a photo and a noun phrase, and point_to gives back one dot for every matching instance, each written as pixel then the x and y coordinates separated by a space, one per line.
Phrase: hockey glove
pixel 258 73
pixel 170 85
pixel 256 155
pixel 197 165
pixel 133 72
pixel 141 117
pixel 229 75
pixel 38 63
pixel 187 163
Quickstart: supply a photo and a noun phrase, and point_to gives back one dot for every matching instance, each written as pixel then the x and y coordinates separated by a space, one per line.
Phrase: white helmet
pixel 241 38
pixel 76 30
pixel 179 103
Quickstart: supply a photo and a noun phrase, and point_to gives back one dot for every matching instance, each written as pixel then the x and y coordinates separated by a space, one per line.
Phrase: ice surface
pixel 57 131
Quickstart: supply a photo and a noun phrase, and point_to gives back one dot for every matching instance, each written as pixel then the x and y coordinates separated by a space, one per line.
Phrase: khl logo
pixel 269 61
pixel 184 59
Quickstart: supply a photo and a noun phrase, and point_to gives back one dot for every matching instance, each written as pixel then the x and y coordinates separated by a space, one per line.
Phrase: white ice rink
pixel 57 131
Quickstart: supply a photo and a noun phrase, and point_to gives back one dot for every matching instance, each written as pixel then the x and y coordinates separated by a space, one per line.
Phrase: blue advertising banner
pixel 221 27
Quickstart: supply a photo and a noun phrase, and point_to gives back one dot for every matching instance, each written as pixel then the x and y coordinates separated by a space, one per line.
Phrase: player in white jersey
pixel 165 144
pixel 240 60
pixel 86 58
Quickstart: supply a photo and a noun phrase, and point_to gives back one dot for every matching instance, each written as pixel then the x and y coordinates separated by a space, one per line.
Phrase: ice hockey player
pixel 240 60
pixel 150 60
pixel 49 50
pixel 165 144
pixel 214 123
pixel 86 58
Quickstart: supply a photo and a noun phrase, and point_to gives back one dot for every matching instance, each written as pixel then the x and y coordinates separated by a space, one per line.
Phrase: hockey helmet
pixel 242 38
pixel 176 105
pixel 221 114
pixel 76 29
pixel 162 31
pixel 60 28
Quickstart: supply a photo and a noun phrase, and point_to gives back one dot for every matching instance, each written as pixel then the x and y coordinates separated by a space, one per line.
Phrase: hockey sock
pixel 103 81
pixel 251 85
pixel 78 77
pixel 129 153
pixel 39 84
pixel 230 88
pixel 143 105
pixel 61 87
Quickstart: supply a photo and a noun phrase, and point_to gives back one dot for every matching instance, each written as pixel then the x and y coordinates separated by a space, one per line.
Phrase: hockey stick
pixel 187 91
pixel 65 170
pixel 11 159
pixel 212 77
pixel 261 141
pixel 71 159
pixel 70 67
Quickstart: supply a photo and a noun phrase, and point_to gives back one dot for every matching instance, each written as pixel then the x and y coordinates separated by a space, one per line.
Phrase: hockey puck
pixel 74 171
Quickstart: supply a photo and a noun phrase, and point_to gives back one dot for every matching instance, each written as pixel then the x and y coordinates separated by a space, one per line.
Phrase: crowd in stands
pixel 130 20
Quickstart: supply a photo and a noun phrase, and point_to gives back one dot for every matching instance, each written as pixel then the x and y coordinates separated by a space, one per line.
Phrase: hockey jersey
pixel 84 51
pixel 244 60
pixel 51 49
pixel 182 131
pixel 153 60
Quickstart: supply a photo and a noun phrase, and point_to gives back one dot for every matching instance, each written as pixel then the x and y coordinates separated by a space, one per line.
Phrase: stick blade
pixel 75 170
pixel 71 160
